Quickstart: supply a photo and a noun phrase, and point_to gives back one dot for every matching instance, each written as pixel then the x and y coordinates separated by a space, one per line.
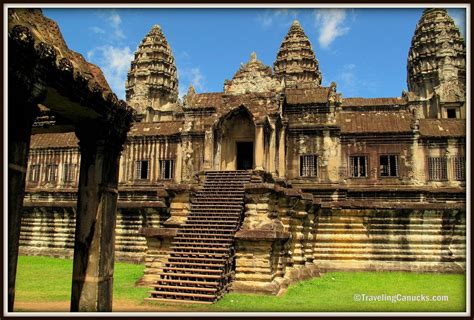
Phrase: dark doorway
pixel 244 155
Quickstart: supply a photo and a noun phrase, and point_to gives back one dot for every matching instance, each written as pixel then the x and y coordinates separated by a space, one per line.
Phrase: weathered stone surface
pixel 152 81
pixel 437 56
pixel 252 77
pixel 296 64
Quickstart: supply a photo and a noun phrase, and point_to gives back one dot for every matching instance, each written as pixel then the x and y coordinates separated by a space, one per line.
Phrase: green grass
pixel 43 279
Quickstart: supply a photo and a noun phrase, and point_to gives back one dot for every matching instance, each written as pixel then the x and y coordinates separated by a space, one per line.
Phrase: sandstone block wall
pixel 49 231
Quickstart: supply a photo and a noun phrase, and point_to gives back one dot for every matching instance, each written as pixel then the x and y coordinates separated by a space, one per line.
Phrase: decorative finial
pixel 296 23
pixel 156 26
pixel 191 90
pixel 253 57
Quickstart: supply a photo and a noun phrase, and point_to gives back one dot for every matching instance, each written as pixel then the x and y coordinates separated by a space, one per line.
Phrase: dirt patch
pixel 118 306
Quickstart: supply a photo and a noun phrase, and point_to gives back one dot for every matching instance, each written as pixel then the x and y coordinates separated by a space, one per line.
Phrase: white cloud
pixel 115 63
pixel 350 84
pixel 113 21
pixel 192 76
pixel 331 25
pixel 97 30
pixel 273 16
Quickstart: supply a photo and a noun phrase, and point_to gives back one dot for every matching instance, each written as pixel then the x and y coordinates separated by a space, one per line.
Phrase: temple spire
pixel 152 80
pixel 296 61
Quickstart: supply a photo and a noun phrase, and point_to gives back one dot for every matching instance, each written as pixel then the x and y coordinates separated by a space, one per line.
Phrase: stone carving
pixel 152 80
pixel 252 77
pixel 428 48
pixel 296 61
pixel 451 92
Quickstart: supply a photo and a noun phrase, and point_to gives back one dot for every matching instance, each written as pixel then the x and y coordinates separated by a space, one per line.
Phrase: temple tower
pixel 436 65
pixel 296 62
pixel 152 81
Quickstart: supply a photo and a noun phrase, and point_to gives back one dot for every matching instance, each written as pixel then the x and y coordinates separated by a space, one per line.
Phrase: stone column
pixel 179 161
pixel 20 120
pixel 272 149
pixel 281 153
pixel 208 149
pixel 92 283
pixel 259 147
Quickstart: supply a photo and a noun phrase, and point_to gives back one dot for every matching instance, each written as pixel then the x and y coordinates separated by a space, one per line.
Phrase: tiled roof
pixel 372 102
pixel 442 127
pixel 307 96
pixel 205 100
pixel 155 128
pixel 374 122
pixel 53 140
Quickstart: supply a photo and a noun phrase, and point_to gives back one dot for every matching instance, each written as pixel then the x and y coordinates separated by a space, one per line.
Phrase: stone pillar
pixel 208 149
pixel 179 161
pixel 281 153
pixel 272 149
pixel 259 147
pixel 20 120
pixel 92 283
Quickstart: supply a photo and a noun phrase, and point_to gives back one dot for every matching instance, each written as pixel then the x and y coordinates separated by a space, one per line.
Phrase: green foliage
pixel 47 279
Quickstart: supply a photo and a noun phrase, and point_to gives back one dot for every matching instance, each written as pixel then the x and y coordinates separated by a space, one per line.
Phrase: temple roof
pixel 316 95
pixel 375 122
pixel 443 127
pixel 373 102
pixel 296 62
pixel 54 140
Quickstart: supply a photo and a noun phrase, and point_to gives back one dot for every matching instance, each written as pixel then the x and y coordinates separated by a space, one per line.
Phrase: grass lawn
pixel 48 280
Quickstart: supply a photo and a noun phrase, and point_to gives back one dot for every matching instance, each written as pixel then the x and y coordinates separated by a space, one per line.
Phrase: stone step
pixel 166 269
pixel 193 264
pixel 197 283
pixel 198 254
pixel 182 294
pixel 207 259
pixel 184 288
pixel 193 249
pixel 188 275
pixel 178 301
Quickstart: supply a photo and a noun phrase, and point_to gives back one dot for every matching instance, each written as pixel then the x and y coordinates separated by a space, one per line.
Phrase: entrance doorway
pixel 244 155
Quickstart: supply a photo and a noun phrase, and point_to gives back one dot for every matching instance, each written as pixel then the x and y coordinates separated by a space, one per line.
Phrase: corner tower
pixel 296 62
pixel 152 81
pixel 436 64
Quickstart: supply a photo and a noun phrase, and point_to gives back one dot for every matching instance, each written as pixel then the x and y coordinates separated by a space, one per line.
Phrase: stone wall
pixel 49 231
pixel 395 240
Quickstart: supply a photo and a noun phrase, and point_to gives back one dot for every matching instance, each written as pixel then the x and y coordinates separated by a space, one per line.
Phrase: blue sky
pixel 363 50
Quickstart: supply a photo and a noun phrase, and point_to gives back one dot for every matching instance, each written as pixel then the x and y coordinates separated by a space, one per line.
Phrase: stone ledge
pixel 365 204
pixel 261 235
pixel 158 232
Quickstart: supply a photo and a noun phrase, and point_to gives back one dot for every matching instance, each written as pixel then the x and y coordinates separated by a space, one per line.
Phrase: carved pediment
pixel 452 91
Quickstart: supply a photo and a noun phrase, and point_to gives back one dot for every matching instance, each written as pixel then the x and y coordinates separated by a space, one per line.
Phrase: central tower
pixel 296 62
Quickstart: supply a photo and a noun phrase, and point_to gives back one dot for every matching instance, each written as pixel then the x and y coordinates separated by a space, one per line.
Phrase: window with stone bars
pixel 69 171
pixel 34 173
pixel 358 166
pixel 51 174
pixel 309 165
pixel 142 169
pixel 388 165
pixel 166 169
pixel 459 167
pixel 437 168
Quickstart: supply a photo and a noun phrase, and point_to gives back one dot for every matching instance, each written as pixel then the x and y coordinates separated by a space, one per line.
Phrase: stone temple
pixel 275 178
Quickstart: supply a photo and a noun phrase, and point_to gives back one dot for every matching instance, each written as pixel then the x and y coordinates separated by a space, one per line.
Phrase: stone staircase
pixel 200 266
